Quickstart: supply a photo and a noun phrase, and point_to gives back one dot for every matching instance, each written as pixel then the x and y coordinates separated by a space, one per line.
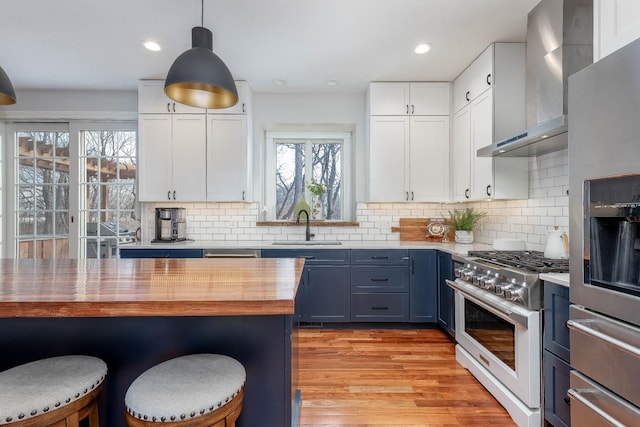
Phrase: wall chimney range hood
pixel 559 43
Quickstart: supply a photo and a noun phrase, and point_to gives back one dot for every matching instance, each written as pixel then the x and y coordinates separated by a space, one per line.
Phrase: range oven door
pixel 503 337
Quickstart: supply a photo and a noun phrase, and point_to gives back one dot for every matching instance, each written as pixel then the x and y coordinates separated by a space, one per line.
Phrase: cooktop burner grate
pixel 526 260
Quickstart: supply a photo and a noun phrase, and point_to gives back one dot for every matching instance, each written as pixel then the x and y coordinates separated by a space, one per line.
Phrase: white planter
pixel 316 208
pixel 463 236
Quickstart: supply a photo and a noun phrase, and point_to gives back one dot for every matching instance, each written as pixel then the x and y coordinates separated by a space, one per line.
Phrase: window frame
pixel 272 137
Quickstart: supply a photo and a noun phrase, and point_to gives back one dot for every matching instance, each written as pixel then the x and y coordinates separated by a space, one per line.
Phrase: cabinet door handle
pixel 174 107
pixel 488 190
pixel 373 279
pixel 309 257
pixel 169 195
pixel 243 194
pixel 243 110
pixel 466 193
pixel 567 401
pixel 379 257
pixel 174 194
pixel 412 108
pixel 489 79
pixel 168 107
pixel 407 108
pixel 406 195
pixel 412 195
pixel 413 266
pixel 466 95
pixel 379 307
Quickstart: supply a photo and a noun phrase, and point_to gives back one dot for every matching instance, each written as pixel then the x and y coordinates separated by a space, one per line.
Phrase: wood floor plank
pixel 390 378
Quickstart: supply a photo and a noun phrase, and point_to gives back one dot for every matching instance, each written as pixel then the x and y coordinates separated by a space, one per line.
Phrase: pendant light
pixel 7 94
pixel 198 77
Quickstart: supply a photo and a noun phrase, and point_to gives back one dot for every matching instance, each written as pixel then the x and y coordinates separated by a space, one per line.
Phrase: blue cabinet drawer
pixel 379 279
pixel 556 383
pixel 311 256
pixel 380 307
pixel 380 256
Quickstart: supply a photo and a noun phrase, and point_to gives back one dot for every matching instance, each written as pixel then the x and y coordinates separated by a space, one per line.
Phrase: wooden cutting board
pixel 417 229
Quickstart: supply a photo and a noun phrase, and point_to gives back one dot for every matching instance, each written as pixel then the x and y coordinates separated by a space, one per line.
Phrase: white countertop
pixel 454 248
pixel 557 278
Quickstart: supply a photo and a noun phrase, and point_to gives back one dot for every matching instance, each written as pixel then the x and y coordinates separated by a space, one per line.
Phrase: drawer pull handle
pixel 309 257
pixel 379 257
pixel 380 280
pixel 567 401
pixel 375 307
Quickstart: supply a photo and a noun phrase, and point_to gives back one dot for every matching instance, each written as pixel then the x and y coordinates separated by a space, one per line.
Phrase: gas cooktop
pixel 527 260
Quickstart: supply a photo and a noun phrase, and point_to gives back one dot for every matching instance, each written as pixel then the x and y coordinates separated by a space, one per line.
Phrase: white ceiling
pixel 96 44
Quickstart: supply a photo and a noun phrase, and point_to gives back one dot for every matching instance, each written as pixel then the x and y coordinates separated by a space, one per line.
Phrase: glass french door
pixel 42 161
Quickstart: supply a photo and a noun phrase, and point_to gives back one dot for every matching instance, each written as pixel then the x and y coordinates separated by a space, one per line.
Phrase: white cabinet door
pixel 155 162
pixel 389 137
pixel 429 99
pixel 482 73
pixel 616 23
pixel 461 90
pixel 152 100
pixel 461 155
pixel 389 99
pixel 227 158
pixel 429 158
pixel 189 157
pixel 481 136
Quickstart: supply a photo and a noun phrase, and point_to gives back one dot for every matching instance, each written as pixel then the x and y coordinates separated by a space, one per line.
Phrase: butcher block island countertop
pixel 148 287
pixel 136 313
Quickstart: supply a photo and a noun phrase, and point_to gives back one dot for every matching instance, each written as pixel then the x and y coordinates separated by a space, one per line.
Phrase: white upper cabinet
pixel 228 172
pixel 404 99
pixel 152 100
pixel 172 165
pixel 616 23
pixel 495 110
pixel 474 80
pixel 409 154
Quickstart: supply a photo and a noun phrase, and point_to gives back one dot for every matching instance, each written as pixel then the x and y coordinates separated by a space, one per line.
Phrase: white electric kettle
pixel 557 244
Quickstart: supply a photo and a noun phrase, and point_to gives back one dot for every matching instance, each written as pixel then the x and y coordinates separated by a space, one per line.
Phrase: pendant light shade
pixel 7 94
pixel 199 78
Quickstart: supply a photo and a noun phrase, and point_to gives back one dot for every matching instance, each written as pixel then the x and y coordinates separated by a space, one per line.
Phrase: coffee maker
pixel 171 225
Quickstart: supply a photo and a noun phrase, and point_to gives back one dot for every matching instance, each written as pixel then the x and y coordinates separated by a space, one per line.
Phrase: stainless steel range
pixel 499 325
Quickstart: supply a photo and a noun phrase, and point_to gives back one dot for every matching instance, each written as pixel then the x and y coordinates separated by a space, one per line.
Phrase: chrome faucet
pixel 308 234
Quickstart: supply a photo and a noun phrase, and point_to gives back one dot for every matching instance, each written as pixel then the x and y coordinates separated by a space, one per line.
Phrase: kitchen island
pixel 135 313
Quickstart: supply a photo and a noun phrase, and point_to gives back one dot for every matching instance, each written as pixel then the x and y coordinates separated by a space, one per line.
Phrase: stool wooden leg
pixel 72 420
pixel 94 417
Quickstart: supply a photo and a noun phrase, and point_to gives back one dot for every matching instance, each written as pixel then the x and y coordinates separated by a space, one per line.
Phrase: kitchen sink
pixel 307 243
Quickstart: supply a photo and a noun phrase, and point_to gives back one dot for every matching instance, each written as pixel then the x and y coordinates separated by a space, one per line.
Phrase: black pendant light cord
pixel 202 15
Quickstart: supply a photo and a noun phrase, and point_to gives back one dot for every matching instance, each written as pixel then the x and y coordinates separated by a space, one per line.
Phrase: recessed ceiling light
pixel 279 82
pixel 422 48
pixel 332 82
pixel 151 45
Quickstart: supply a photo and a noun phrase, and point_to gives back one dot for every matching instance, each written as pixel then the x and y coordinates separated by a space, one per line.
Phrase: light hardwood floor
pixel 391 378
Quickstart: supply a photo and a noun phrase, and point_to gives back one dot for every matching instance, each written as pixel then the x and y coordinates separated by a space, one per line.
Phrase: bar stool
pixel 197 390
pixel 58 391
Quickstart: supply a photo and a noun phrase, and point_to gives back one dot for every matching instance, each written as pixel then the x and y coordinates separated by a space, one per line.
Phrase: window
pixel 298 159
pixel 42 193
pixel 74 190
pixel 107 191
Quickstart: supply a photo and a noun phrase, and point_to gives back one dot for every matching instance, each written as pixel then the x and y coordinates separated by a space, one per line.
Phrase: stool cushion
pixel 185 387
pixel 45 385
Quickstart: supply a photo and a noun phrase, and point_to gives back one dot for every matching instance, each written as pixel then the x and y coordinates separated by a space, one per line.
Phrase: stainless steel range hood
pixel 559 43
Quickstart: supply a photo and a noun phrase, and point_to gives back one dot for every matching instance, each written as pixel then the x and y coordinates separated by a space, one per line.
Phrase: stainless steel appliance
pixel 499 325
pixel 559 43
pixel 604 208
pixel 171 225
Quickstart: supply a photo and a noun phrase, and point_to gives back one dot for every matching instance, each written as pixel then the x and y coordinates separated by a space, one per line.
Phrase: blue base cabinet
pixel 557 352
pixel 423 286
pixel 446 295
pixel 323 295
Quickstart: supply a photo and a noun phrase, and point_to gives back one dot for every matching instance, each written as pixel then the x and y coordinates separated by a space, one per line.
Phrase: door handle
pixel 174 194
pixel 489 79
pixel 379 308
pixel 488 190
pixel 466 95
pixel 379 280
pixel 169 195
pixel 168 107
pixel 466 193
pixel 412 108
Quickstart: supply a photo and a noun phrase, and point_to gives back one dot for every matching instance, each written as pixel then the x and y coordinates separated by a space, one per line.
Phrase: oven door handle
pixel 515 317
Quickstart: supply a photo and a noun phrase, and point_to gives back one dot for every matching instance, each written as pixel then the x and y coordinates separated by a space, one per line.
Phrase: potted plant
pixel 463 222
pixel 317 190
